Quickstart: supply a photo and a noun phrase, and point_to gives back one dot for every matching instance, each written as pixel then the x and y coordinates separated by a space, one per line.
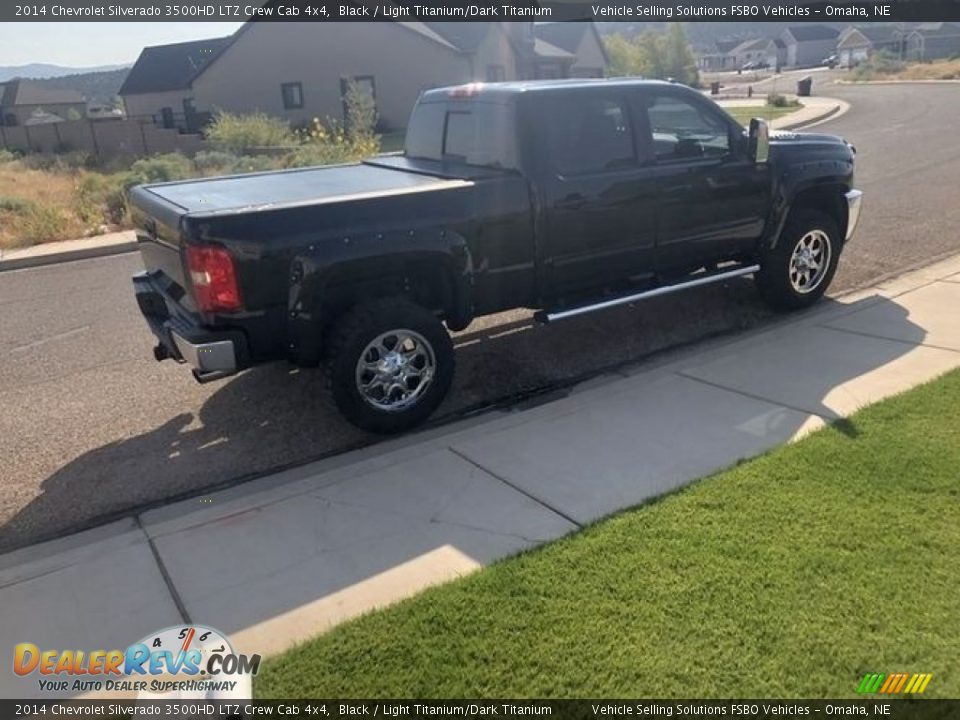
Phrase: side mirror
pixel 759 140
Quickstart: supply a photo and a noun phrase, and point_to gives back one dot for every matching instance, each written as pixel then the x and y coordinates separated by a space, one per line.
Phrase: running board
pixel 545 316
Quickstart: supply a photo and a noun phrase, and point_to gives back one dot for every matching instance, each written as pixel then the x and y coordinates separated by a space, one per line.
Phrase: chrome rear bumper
pixel 219 356
pixel 854 203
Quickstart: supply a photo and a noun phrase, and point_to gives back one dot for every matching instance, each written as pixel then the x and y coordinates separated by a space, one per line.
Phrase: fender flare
pixel 313 270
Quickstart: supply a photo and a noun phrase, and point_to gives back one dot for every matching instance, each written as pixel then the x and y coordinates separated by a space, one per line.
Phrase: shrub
pixel 254 163
pixel 239 133
pixel 100 200
pixel 879 63
pixel 158 168
pixel 330 146
pixel 215 162
pixel 777 100
pixel 60 162
pixel 42 222
pixel 14 205
pixel 7 156
pixel 360 113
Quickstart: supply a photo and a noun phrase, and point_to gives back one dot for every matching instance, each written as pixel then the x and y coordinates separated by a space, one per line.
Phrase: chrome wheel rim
pixel 809 261
pixel 395 370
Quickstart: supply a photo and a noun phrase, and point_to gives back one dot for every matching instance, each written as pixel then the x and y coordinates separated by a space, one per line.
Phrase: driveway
pixel 91 427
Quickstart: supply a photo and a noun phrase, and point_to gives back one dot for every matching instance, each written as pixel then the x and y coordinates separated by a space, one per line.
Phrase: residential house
pixel 22 101
pixel 856 44
pixel 807 45
pixel 299 71
pixel 734 54
pixel 579 40
pixel 157 88
pixel 719 56
pixel 762 50
pixel 933 41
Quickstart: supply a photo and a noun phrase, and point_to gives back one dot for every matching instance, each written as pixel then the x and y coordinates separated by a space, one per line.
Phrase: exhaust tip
pixel 204 377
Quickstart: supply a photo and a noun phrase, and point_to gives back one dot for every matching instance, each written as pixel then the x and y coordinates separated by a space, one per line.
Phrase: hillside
pixel 704 34
pixel 46 70
pixel 97 87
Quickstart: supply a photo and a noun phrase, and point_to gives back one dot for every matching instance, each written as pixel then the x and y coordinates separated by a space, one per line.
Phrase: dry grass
pixel 37 206
pixel 881 67
pixel 941 70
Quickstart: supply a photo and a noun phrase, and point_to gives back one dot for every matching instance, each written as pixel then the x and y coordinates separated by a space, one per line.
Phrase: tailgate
pixel 159 240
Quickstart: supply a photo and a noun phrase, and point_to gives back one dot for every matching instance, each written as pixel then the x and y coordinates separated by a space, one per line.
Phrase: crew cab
pixel 566 197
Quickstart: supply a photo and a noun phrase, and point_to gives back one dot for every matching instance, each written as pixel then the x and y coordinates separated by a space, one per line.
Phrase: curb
pixel 897 82
pixel 32 261
pixel 839 109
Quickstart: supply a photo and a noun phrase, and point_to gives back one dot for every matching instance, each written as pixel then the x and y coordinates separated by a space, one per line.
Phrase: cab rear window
pixel 474 133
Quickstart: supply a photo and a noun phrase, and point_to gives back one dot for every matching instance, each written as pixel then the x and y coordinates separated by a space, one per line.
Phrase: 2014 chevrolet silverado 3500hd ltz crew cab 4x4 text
pixel 562 196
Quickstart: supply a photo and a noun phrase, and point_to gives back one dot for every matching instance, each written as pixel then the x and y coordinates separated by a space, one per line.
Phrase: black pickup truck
pixel 562 196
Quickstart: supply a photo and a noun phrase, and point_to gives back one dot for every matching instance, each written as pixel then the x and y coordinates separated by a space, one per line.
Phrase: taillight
pixel 214 279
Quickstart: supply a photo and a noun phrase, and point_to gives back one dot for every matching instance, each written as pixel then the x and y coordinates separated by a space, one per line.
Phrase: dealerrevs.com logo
pixel 176 659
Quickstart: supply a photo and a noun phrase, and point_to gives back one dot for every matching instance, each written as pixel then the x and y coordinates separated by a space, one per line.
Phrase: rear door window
pixel 588 134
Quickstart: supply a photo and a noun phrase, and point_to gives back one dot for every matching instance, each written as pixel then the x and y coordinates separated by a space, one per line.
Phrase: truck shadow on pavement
pixel 273 417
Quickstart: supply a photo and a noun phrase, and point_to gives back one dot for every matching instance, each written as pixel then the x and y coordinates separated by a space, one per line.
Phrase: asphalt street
pixel 92 427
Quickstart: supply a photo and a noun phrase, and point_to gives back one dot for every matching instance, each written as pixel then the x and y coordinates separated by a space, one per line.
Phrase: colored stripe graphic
pixel 870 683
pixel 907 683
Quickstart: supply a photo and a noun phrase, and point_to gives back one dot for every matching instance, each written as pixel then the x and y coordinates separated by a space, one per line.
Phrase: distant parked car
pixel 830 61
pixel 755 65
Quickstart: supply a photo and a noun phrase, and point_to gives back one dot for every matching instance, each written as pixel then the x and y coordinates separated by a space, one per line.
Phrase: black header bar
pixel 480 10
pixel 878 707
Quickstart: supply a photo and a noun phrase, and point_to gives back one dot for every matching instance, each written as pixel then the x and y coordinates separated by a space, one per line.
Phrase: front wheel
pixel 798 270
pixel 391 363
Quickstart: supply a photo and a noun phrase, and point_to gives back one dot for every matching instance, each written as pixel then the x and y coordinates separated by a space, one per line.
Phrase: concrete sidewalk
pixel 278 560
pixel 56 252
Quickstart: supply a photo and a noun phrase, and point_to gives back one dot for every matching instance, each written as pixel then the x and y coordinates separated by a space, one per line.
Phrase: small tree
pixel 360 116
pixel 654 54
pixel 678 60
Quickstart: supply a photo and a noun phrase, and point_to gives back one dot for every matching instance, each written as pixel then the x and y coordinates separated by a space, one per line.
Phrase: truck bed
pixel 306 186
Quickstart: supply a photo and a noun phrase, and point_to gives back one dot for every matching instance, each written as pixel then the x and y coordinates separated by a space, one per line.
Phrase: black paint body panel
pixel 496 238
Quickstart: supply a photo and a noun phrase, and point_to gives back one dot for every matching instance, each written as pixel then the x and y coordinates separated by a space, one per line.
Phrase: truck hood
pixel 785 144
pixel 785 136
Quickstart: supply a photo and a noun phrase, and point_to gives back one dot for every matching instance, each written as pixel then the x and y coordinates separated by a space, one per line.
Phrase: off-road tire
pixel 348 339
pixel 774 279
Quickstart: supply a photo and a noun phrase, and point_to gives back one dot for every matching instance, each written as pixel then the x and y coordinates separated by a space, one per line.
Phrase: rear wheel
pixel 391 363
pixel 798 270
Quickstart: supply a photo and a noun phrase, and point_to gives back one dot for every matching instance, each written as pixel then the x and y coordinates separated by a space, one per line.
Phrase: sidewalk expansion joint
pixel 911 343
pixel 171 588
pixel 512 486
pixel 753 396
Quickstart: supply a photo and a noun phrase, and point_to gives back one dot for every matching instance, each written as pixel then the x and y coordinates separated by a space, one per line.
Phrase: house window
pixel 292 95
pixel 496 73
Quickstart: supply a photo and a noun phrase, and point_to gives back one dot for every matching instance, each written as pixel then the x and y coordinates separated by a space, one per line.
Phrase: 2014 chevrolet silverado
pixel 561 196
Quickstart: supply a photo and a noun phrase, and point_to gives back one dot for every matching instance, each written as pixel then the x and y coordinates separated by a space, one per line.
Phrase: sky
pixel 83 44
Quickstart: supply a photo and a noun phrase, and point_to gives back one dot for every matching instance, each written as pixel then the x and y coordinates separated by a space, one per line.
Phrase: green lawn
pixel 790 575
pixel 743 115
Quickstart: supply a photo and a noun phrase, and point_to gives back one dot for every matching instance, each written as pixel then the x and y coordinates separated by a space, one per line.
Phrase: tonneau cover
pixel 239 193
